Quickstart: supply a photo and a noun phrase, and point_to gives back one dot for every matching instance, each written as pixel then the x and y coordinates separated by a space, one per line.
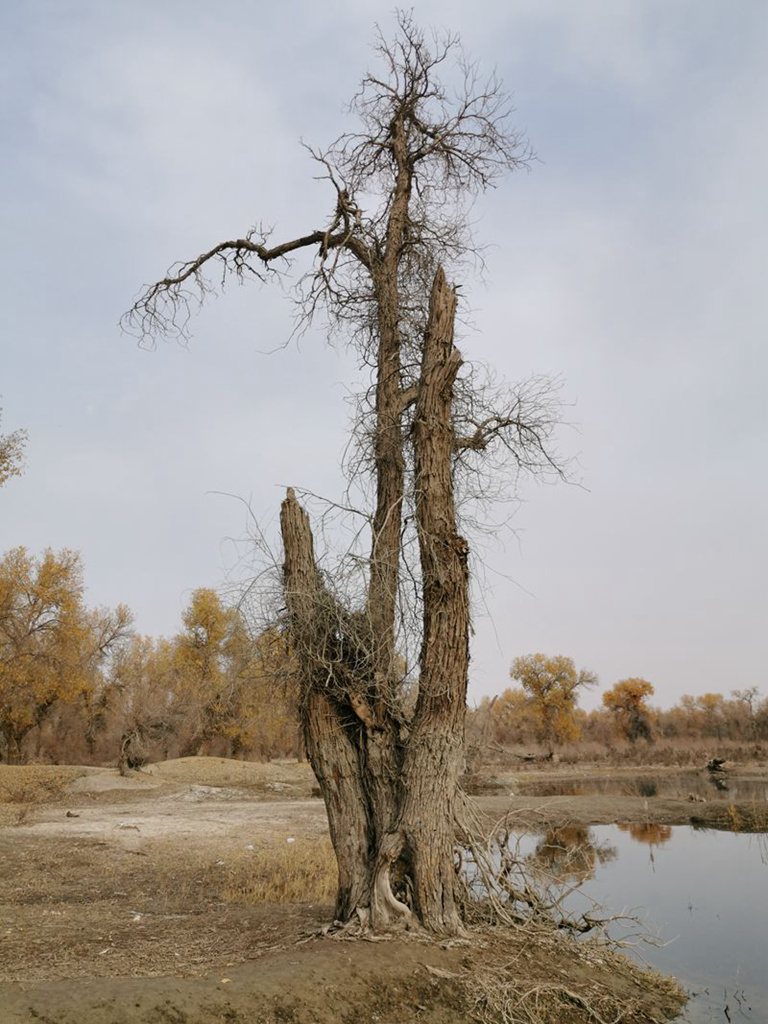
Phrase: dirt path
pixel 201 821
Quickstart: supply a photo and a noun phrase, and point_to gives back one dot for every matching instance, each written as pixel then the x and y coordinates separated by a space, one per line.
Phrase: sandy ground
pixel 111 907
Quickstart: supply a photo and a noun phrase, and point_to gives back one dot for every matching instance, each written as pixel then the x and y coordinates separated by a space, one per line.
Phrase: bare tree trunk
pixel 13 741
pixel 435 757
pixel 384 810
pixel 388 445
pixel 330 740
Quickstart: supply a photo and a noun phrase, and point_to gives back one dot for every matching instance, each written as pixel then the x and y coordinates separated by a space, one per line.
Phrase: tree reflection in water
pixel 647 832
pixel 571 854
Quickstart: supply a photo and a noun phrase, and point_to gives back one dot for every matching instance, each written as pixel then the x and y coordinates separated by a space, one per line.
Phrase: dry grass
pixel 747 818
pixel 682 753
pixel 35 783
pixel 24 787
pixel 276 872
pixel 547 980
pixel 284 779
pixel 664 753
pixel 299 872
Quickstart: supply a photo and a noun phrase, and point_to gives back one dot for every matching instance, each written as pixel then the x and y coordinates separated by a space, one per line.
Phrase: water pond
pixel 676 784
pixel 704 893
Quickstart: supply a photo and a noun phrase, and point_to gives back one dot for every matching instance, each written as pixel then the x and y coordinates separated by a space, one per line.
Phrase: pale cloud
pixel 629 261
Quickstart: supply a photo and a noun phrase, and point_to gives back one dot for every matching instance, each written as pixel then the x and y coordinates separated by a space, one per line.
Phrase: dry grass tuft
pixel 299 872
pixel 24 787
pixel 35 783
pixel 275 872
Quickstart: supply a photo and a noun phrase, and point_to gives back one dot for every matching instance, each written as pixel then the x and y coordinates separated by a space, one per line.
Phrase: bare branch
pixel 165 307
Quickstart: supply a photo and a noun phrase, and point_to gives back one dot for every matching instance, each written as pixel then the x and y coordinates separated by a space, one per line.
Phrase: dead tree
pixel 402 184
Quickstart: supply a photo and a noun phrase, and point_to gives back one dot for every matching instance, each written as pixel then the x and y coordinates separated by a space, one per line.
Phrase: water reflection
pixel 648 832
pixel 704 893
pixel 571 854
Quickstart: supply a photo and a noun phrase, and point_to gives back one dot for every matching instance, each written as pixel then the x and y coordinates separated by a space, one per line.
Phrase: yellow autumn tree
pixel 628 703
pixel 510 716
pixel 235 685
pixel 11 454
pixel 51 645
pixel 146 713
pixel 200 653
pixel 267 724
pixel 552 685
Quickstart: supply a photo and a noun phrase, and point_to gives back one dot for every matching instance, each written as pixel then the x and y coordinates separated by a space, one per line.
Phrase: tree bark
pixel 434 760
pixel 329 733
pixel 388 443
pixel 391 804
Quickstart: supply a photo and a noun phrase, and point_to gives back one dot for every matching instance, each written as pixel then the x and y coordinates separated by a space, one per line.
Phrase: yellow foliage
pixel 50 644
pixel 238 687
pixel 11 454
pixel 629 694
pixel 628 701
pixel 552 685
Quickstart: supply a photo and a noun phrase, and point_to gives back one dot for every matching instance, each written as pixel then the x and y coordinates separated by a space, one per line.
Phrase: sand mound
pixel 35 783
pixel 104 780
pixel 200 777
pixel 288 777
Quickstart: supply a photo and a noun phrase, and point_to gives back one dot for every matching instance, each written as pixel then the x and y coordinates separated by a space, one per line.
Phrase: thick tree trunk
pixel 329 732
pixel 335 762
pixel 391 805
pixel 435 757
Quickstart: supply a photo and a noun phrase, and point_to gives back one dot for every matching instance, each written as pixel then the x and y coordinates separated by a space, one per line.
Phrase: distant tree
pixel 144 711
pixel 267 721
pixel 552 686
pixel 51 645
pixel 236 688
pixel 748 698
pixel 628 702
pixel 211 637
pixel 510 716
pixel 11 454
pixel 712 707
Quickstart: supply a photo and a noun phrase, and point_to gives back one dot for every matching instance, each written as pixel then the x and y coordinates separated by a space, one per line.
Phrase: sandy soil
pixel 337 982
pixel 111 910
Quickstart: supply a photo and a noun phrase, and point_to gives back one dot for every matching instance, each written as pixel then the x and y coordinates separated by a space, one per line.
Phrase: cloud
pixel 629 261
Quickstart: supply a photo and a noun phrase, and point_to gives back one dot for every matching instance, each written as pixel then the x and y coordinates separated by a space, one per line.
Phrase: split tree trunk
pixel 391 799
pixel 331 734
pixel 434 759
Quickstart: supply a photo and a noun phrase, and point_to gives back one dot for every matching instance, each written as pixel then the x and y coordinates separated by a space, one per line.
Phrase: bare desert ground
pixel 193 891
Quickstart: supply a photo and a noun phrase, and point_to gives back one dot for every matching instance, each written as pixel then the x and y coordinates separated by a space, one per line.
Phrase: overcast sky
pixel 630 261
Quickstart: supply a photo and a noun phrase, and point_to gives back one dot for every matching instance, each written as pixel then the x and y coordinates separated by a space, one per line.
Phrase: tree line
pixel 544 709
pixel 80 684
